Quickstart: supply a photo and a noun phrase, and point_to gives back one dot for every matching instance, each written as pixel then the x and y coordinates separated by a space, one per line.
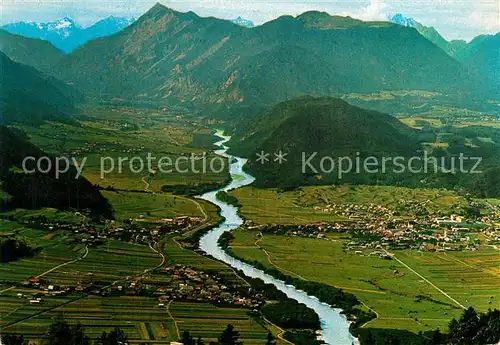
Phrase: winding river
pixel 335 327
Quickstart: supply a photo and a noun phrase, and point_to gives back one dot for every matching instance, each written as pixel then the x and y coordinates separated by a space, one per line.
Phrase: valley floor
pixel 419 291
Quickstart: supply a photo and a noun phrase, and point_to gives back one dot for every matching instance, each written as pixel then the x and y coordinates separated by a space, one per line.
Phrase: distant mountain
pixel 243 22
pixel 37 190
pixel 452 48
pixel 167 56
pixel 476 44
pixel 326 126
pixel 324 21
pixel 29 96
pixel 29 51
pixel 483 56
pixel 65 33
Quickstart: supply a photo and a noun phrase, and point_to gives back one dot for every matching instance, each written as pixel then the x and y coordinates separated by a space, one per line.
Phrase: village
pixel 378 227
pixel 137 231
pixel 174 283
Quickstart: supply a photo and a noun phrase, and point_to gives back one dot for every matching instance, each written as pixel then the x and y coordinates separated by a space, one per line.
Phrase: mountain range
pixel 65 33
pixel 481 55
pixel 168 56
pixel 453 48
pixel 171 57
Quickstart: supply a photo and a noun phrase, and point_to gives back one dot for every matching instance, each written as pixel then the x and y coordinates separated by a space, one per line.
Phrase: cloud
pixel 376 10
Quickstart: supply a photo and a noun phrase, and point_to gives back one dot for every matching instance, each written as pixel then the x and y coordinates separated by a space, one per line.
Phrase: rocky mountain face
pixel 167 56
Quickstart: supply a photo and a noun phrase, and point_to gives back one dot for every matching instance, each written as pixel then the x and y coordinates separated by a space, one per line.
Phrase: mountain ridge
pixel 49 98
pixel 323 125
pixel 37 53
pixel 243 22
pixel 169 56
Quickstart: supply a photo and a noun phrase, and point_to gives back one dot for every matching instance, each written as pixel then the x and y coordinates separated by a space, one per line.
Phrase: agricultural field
pixel 208 321
pixel 64 263
pixel 103 136
pixel 301 206
pixel 110 262
pixel 141 318
pixel 440 119
pixel 401 298
pixel 55 249
pixel 51 214
pixel 154 207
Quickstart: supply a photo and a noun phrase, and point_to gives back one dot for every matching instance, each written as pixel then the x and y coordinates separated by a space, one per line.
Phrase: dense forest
pixel 38 190
pixel 12 249
pixel 228 199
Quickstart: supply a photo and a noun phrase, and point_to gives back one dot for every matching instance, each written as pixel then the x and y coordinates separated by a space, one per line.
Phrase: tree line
pixel 12 249
pixel 472 328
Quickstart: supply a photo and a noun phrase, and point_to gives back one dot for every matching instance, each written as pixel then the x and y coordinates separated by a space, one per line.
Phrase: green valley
pixel 315 178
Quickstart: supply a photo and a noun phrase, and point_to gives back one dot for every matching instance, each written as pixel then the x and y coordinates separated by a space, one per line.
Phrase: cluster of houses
pixel 188 284
pixel 174 283
pixel 93 147
pixel 46 288
pixel 374 226
pixel 136 231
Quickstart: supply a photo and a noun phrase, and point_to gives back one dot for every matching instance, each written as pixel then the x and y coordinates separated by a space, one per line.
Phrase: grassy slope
pixel 30 51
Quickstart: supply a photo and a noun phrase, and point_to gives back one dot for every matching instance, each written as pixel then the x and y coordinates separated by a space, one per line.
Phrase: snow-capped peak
pixel 243 22
pixel 400 19
pixel 60 24
pixel 65 33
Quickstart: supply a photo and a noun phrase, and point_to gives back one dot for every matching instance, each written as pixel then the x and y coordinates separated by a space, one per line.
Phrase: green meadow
pixel 154 206
pixel 301 206
pixel 400 298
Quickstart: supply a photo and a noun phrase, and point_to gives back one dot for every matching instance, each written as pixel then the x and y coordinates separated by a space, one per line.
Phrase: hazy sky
pixel 455 19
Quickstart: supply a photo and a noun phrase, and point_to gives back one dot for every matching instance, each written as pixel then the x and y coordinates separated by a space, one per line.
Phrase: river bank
pixel 334 324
